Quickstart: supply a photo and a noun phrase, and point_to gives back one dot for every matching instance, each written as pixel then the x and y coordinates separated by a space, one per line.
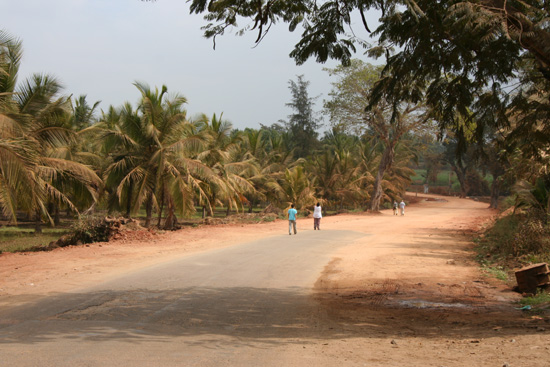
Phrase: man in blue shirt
pixel 292 219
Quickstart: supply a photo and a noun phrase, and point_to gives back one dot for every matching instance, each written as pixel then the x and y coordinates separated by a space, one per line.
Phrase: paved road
pixel 239 306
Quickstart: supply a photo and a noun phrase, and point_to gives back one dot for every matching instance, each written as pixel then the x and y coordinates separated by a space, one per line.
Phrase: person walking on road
pixel 317 215
pixel 395 206
pixel 402 207
pixel 292 219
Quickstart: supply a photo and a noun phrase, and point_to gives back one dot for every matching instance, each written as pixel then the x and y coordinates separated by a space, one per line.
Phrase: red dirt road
pixel 408 293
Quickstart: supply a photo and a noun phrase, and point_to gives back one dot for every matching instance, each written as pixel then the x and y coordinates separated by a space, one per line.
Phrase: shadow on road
pixel 271 316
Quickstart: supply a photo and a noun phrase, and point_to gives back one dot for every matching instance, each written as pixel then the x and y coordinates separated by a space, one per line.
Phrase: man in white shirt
pixel 317 215
pixel 402 207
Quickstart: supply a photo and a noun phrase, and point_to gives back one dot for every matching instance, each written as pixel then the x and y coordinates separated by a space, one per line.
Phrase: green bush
pixel 542 297
pixel 91 229
pixel 498 272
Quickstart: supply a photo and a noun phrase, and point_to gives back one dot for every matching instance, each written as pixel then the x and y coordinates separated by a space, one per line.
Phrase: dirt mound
pixel 100 230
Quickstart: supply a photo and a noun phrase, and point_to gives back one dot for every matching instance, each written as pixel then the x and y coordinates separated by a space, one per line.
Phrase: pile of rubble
pixel 101 230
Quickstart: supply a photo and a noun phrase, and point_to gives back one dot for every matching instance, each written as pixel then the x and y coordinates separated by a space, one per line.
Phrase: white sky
pixel 100 47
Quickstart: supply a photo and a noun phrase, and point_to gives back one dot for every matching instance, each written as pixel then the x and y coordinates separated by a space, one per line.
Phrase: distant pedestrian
pixel 292 219
pixel 395 206
pixel 317 215
pixel 402 207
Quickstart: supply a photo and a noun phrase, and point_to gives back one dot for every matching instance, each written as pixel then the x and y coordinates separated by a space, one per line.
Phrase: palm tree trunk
pixel 53 209
pixel 129 198
pixel 38 223
pixel 461 177
pixel 385 164
pixel 171 219
pixel 211 208
pixel 149 211
pixel 161 208
pixel 56 219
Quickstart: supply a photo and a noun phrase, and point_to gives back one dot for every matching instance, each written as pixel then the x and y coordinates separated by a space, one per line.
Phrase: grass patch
pixel 541 298
pixel 13 239
pixel 419 177
pixel 538 304
pixel 498 272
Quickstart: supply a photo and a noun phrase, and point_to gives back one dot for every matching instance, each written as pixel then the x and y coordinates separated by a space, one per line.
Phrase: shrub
pixel 91 229
pixel 532 236
pixel 517 235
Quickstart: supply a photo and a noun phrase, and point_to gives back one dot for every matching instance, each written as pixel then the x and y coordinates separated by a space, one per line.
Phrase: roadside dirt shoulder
pixel 413 295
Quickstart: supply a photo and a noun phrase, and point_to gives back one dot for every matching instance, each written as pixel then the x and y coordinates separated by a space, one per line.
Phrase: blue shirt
pixel 292 214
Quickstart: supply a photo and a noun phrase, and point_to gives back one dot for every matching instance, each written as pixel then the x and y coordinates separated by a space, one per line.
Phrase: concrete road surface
pixel 247 305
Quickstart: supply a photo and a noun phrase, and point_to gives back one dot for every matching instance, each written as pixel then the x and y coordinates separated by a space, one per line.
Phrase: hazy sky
pixel 100 47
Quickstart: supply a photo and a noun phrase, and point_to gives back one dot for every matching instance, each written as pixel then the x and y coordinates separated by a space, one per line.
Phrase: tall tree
pixel 387 120
pixel 152 151
pixel 302 125
pixel 221 154
pixel 461 56
pixel 83 114
pixel 340 176
pixel 33 134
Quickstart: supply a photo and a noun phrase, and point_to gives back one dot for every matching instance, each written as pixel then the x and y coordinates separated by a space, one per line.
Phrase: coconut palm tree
pixel 152 150
pixel 223 154
pixel 33 129
pixel 297 187
pixel 256 149
pixel 339 172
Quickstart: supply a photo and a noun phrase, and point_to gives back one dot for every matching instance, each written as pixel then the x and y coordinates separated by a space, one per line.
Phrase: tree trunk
pixel 56 219
pixel 161 208
pixel 38 223
pixel 129 199
pixel 461 177
pixel 212 207
pixel 51 208
pixel 377 192
pixel 228 209
pixel 171 220
pixel 148 211
pixel 495 193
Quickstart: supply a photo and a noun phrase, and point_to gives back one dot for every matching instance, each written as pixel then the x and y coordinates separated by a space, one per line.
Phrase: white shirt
pixel 317 212
pixel 402 204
